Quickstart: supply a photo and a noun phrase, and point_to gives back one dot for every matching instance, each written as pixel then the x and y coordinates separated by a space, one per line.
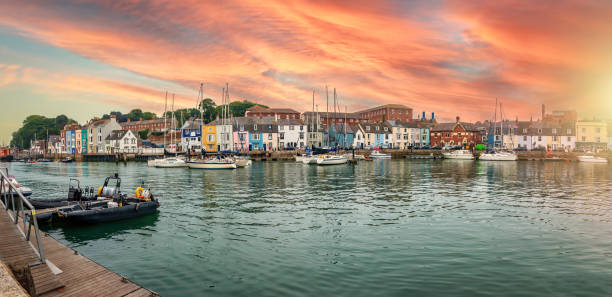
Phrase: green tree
pixel 143 134
pixel 36 127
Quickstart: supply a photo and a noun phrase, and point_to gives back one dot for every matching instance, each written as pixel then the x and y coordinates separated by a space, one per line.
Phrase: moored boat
pixel 102 212
pixel 216 163
pixel 170 162
pixel 378 155
pixel 331 160
pixel 459 154
pixel 590 158
pixel 498 156
pixel 243 162
pixel 310 160
pixel 67 160
pixel 75 195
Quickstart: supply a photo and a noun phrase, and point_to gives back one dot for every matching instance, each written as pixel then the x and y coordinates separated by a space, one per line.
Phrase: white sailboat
pixel 591 158
pixel 495 155
pixel 216 163
pixel 331 160
pixel 170 162
pixel 459 154
pixel 378 155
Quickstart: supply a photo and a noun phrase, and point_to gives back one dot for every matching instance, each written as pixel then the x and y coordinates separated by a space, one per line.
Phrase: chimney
pixel 457 119
pixel 423 115
pixel 432 115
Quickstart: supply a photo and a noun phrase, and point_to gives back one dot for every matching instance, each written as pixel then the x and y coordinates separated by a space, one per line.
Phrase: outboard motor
pixel 75 192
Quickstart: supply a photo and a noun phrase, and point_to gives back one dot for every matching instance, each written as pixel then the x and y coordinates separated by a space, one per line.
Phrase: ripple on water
pixel 405 227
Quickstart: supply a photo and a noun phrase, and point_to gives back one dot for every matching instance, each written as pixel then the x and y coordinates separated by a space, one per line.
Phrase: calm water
pixel 383 228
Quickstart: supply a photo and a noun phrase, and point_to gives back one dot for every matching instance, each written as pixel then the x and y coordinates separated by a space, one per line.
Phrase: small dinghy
pixel 25 191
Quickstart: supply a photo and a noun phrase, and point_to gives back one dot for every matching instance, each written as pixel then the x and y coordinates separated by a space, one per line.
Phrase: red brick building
pixel 388 112
pixel 152 125
pixel 278 113
pixel 328 118
pixel 457 133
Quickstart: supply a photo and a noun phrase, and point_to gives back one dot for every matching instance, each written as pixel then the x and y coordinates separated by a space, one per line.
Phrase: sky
pixel 454 58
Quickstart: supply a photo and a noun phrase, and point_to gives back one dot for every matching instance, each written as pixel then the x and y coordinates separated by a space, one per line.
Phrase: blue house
pixel 263 135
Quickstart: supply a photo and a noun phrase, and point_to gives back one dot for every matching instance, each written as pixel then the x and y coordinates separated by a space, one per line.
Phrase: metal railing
pixel 21 209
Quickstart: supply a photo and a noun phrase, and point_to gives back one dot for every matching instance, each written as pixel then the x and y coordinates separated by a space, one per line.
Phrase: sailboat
pixel 170 162
pixel 495 155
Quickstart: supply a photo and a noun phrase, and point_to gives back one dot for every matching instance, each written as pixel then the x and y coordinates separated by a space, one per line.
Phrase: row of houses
pixel 387 126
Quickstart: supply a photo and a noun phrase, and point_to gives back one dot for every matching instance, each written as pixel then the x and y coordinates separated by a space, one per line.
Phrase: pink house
pixel 241 134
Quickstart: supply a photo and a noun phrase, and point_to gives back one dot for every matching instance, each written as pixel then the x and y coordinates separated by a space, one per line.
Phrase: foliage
pixel 37 125
pixel 133 115
pixel 143 134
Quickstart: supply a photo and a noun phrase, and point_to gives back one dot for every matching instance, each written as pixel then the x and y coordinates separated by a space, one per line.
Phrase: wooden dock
pixel 66 272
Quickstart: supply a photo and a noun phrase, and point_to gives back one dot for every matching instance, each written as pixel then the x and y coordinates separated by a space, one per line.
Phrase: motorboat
pixel 152 162
pixel 459 154
pixel 498 156
pixel 591 158
pixel 25 191
pixel 331 160
pixel 170 162
pixel 216 163
pixel 379 155
pixel 75 195
pixel 107 211
pixel 67 160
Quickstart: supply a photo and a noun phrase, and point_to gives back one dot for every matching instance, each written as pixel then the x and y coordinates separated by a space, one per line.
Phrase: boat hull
pixel 591 159
pixel 331 161
pixel 211 165
pixel 104 215
pixel 498 157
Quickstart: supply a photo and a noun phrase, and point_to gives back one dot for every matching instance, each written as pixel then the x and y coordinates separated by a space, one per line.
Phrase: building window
pixel 569 131
pixel 539 131
pixel 255 127
pixel 269 136
pixel 569 138
pixel 282 136
pixel 524 130
pixel 554 131
pixel 524 138
pixel 583 138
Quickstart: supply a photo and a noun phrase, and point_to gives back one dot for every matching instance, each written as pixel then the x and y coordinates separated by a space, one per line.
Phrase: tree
pixel 36 127
pixel 143 134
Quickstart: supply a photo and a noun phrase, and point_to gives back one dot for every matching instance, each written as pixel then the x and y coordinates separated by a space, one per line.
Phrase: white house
pixel 292 133
pixel 191 134
pixel 121 141
pixel 359 139
pixel 98 130
pixel 401 134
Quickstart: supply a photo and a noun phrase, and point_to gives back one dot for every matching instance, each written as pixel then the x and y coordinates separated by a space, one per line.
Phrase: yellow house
pixel 209 138
pixel 591 135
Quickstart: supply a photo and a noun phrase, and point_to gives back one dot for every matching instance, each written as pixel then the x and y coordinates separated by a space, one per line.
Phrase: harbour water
pixel 382 228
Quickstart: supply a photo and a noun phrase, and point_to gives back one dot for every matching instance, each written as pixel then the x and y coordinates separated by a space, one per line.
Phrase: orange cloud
pixel 455 57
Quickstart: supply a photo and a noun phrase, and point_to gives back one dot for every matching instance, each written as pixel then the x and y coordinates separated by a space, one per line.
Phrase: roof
pixel 339 115
pixel 146 122
pixel 374 126
pixel 117 134
pixel 451 126
pixel 400 106
pixel 258 108
pixel 290 122
pixel 192 124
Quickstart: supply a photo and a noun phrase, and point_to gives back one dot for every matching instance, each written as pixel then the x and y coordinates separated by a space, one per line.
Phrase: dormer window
pixel 554 131
pixel 377 128
pixel 368 128
pixel 539 131
pixel 255 127
pixel 524 130
pixel 386 129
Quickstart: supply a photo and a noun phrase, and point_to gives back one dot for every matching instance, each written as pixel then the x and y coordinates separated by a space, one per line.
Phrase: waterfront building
pixel 209 137
pixel 37 147
pixel 54 145
pixel 154 125
pixel 388 112
pixel 191 134
pixel 340 136
pixel 316 137
pixel 78 137
pixel 263 135
pixel 401 134
pixel 276 113
pixel 377 135
pixel 122 141
pixel 240 131
pixel 457 133
pixel 501 135
pixel 328 118
pixel 97 132
pixel 591 135
pixel 292 133
pixel 223 131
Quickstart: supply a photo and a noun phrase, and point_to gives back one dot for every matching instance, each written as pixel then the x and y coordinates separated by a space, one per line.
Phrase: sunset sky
pixel 84 59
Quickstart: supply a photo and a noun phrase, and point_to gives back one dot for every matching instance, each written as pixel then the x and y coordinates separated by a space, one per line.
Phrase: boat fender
pixel 137 206
pixel 100 190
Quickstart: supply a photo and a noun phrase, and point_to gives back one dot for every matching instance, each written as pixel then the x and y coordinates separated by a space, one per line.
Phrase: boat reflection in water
pixel 85 233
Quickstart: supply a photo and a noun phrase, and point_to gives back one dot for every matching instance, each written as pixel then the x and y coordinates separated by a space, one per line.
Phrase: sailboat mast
pixel 165 119
pixel 172 123
pixel 327 115
pixel 495 126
